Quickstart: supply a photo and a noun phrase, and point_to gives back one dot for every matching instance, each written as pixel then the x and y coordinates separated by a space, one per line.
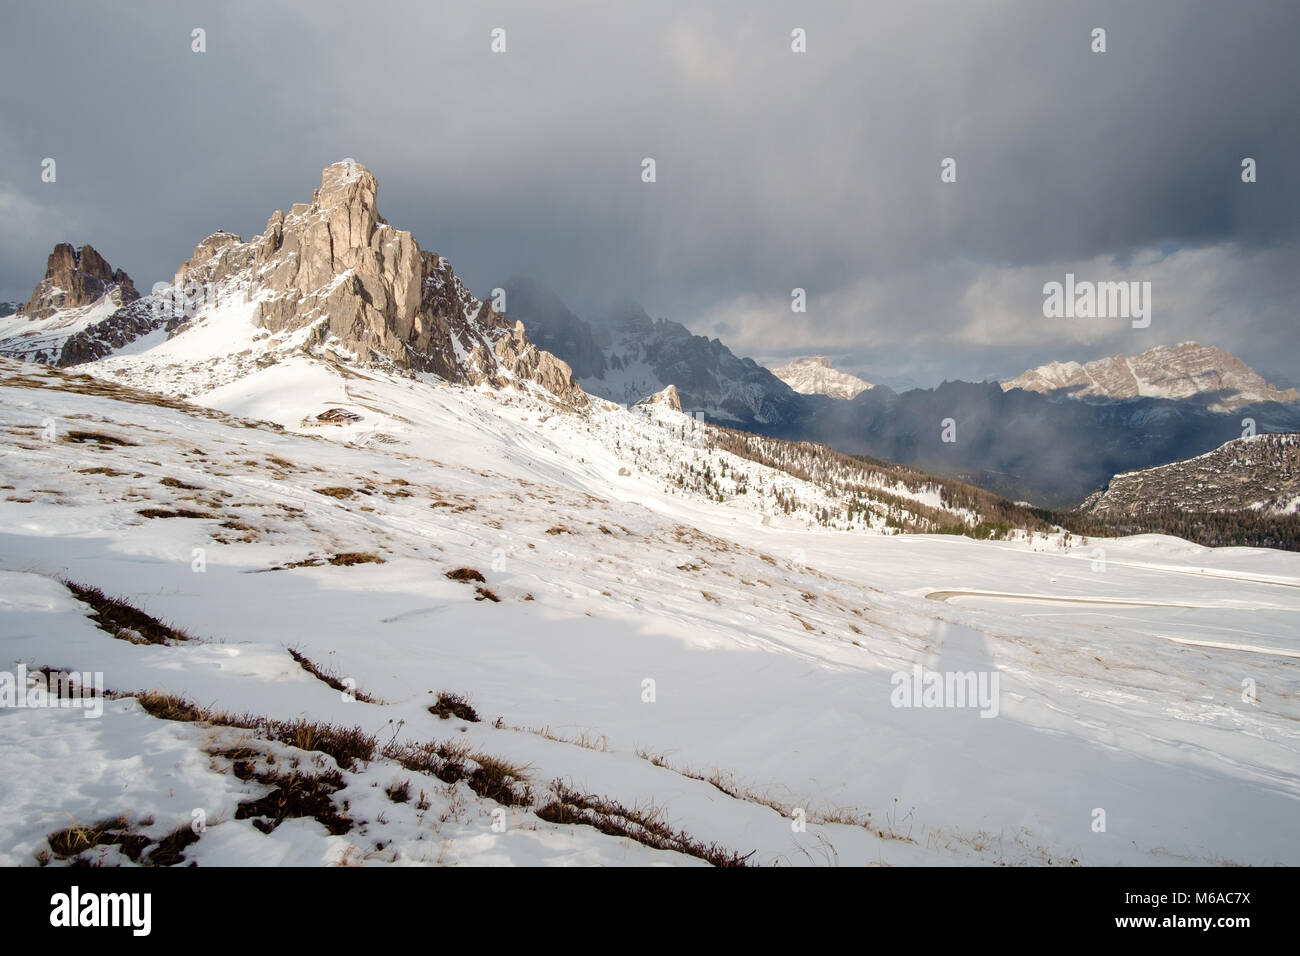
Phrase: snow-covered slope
pixel 814 375
pixel 42 340
pixel 638 640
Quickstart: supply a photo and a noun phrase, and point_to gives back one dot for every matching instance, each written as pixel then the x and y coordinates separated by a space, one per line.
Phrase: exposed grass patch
pixel 399 791
pixel 572 808
pixel 329 677
pixel 117 831
pixel 101 470
pixel 294 794
pixel 349 558
pixel 335 492
pixel 170 707
pixel 171 482
pixel 347 745
pixel 500 780
pixel 173 513
pixel 466 574
pixel 117 617
pixel 454 705
pixel 445 761
pixel 489 777
pixel 101 438
pixel 113 831
pixel 487 594
pixel 304 563
pixel 170 849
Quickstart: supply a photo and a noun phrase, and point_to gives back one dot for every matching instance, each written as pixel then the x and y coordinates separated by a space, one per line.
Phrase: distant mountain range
pixel 1052 436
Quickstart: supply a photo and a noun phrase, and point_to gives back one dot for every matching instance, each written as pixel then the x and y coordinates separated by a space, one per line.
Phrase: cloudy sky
pixel 775 169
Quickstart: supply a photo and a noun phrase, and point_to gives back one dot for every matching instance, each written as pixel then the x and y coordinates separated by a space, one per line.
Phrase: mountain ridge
pixel 1188 370
pixel 329 277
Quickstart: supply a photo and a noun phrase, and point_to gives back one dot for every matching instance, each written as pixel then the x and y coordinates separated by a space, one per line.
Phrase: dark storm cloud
pixel 775 170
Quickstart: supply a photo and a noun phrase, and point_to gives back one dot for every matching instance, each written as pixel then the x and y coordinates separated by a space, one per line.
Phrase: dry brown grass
pixel 336 492
pixel 329 677
pixel 466 574
pixel 453 705
pixel 76 839
pixel 115 616
pixel 173 513
pixel 348 558
pixel 644 825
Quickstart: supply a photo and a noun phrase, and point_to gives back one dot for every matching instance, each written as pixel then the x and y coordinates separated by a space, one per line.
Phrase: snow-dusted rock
pixel 1187 370
pixel 667 397
pixel 814 375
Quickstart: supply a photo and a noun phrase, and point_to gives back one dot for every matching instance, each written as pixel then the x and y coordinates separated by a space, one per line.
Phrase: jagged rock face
pixel 1187 370
pixel 368 291
pixel 76 278
pixel 668 398
pixel 75 312
pixel 814 375
pixel 1260 473
pixel 103 338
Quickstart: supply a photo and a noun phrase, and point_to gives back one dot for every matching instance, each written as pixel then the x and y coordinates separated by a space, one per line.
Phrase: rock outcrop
pixel 367 292
pixel 668 398
pixel 76 278
pixel 81 306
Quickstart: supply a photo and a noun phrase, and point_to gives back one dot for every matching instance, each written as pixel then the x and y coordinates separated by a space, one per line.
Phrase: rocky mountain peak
pixel 364 291
pixel 1188 370
pixel 348 197
pixel 815 375
pixel 76 278
pixel 667 397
